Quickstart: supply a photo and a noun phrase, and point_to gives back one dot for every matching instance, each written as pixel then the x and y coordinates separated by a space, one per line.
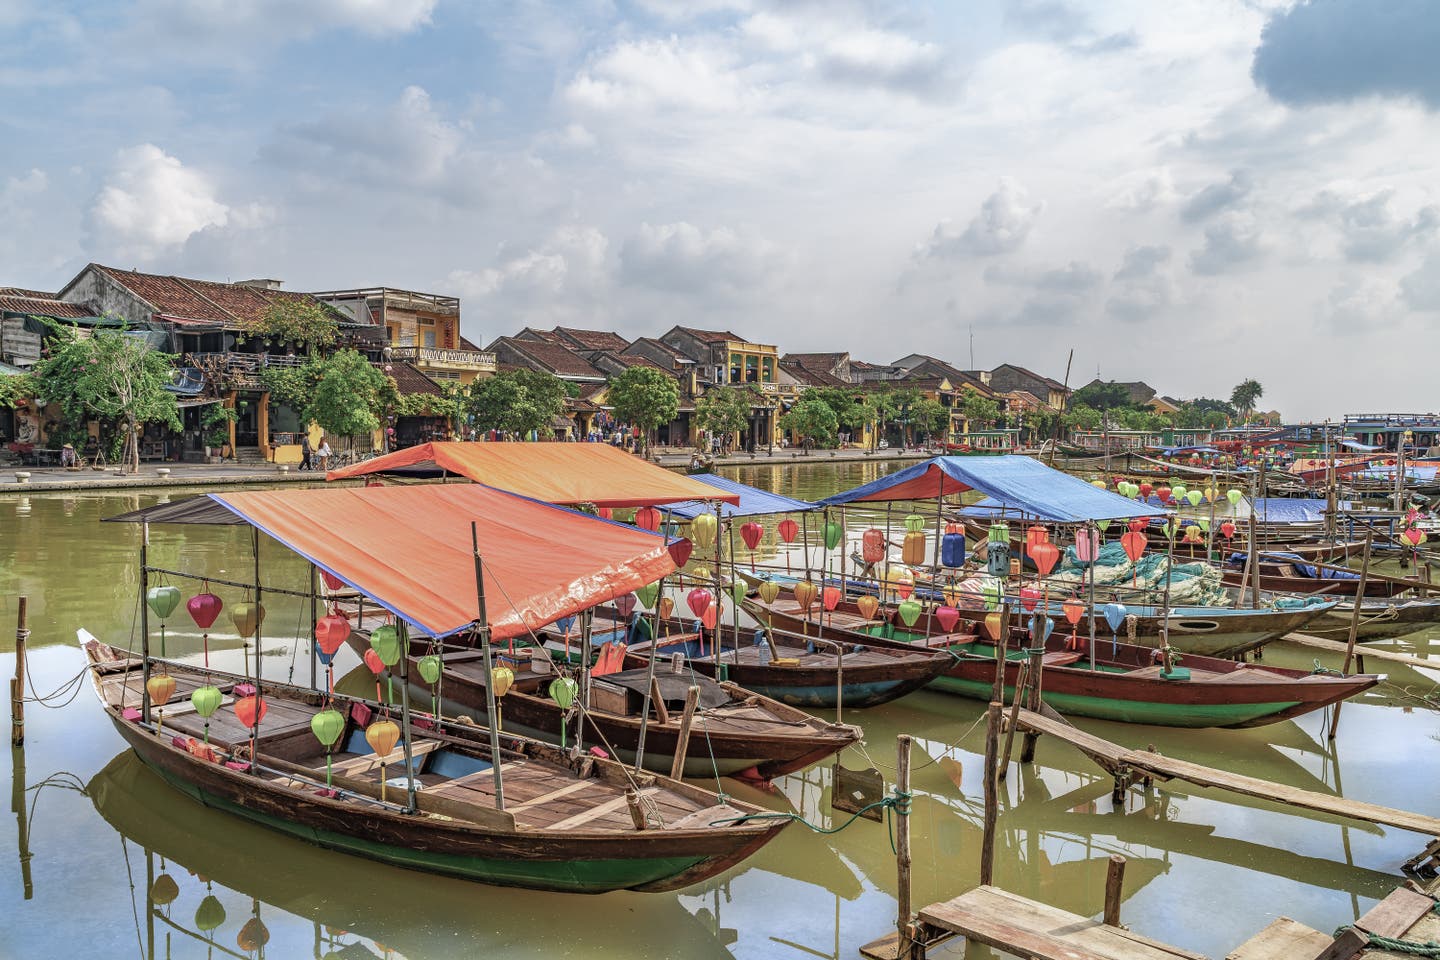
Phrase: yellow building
pixel 422 329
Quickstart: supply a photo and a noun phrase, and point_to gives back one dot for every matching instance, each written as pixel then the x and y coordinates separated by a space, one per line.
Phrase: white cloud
pixel 563 278
pixel 1142 191
pixel 1233 243
pixel 152 203
pixel 682 258
pixel 280 20
pixel 1359 306
pixel 1004 221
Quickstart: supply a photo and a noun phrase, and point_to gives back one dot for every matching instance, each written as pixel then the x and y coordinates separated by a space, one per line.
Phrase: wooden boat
pixel 1302 544
pixel 566 825
pixel 1125 683
pixel 1279 573
pixel 735 731
pixel 1201 631
pixel 806 674
pixel 1380 619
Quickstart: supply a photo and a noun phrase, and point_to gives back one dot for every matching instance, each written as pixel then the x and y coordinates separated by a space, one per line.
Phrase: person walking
pixel 306 453
pixel 325 453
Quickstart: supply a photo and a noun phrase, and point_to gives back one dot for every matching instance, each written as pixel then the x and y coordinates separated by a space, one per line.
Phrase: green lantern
pixel 909 611
pixel 162 601
pixel 429 666
pixel 1233 496
pixel 327 725
pixel 999 533
pixel 914 523
pixel 206 701
pixel 209 915
pixel 1195 496
pixel 563 691
pixel 385 641
pixel 648 595
pixel 738 589
pixel 833 532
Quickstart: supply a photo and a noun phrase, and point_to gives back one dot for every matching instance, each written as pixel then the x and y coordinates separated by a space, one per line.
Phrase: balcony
pixel 239 370
pixel 477 360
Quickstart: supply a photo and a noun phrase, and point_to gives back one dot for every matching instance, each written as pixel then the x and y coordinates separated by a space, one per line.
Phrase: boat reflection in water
pixel 216 886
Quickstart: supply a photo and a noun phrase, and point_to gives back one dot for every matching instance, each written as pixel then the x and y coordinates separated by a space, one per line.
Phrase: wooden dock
pixel 1335 646
pixel 1128 766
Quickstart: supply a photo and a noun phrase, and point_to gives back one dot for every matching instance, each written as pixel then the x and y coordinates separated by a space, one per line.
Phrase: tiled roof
pixel 468 345
pixel 231 304
pixel 1026 397
pixel 812 376
pixel 660 345
pixel 558 359
pixel 409 379
pixel 594 339
pixel 822 360
pixel 24 292
pixel 1052 384
pixel 712 336
pixel 41 306
pixel 544 336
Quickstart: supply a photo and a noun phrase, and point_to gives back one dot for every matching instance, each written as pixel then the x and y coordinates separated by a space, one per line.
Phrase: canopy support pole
pixel 259 632
pixel 482 626
pixel 144 624
pixel 650 687
pixel 715 585
pixel 587 623
pixel 314 589
pixel 405 729
pixel 1099 541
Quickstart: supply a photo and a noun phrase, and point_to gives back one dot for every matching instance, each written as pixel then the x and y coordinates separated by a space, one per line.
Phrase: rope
pixel 860 746
pixel 897 804
pixel 73 686
pixel 1324 670
pixel 1414 948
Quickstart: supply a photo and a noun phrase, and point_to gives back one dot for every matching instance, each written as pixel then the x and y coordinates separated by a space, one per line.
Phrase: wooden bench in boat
pixel 355 766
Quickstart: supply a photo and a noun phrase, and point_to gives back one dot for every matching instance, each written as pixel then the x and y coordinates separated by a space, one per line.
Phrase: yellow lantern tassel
pixel 159 721
pixel 383 784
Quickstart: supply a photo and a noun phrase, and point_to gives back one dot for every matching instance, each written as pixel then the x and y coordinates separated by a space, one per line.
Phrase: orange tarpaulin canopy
pixel 554 472
pixel 409 549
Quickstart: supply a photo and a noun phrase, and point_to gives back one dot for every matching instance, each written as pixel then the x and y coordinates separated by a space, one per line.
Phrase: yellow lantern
pixel 805 594
pixel 702 530
pixel 769 590
pixel 502 678
pixel 161 687
pixel 867 605
pixel 382 735
pixel 992 626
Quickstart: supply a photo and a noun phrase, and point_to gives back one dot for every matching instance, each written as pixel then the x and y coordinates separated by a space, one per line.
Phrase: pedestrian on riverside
pixel 306 453
pixel 325 453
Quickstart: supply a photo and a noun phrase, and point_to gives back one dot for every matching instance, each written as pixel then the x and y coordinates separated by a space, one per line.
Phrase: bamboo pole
pixel 259 631
pixel 405 732
pixel 998 691
pixel 902 848
pixel 1354 630
pixel 482 626
pixel 1021 682
pixel 652 687
pixel 145 623
pixel 992 797
pixel 1037 668
pixel 314 618
pixel 17 684
pixel 1252 562
pixel 682 743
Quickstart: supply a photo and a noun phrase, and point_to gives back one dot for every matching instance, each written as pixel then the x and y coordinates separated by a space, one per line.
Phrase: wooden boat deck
pixel 750 655
pixel 1115 758
pixel 538 794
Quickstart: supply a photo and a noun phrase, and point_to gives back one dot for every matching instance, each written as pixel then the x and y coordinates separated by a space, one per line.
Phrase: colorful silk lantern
pixel 385 641
pixel 701 573
pixel 699 601
pixel 1087 545
pixel 206 701
pixel 872 545
pixel 909 611
pixel 204 608
pixel 625 605
pixel 1145 490
pixel 1180 491
pixel 1045 555
pixel 327 725
pixel 947 617
pixel 680 551
pixel 252 936
pixel 665 607
pixel 702 530
pixel 912 548
pixel 332 582
pixel 751 533
pixel 1193 533
pixel 1134 544
pixel 161 688
pixel 373 661
pixel 331 632
pixel 162 601
pixel 648 594
pixel 1138 525
pixel 1163 493
pixel 788 530
pixel 993 623
pixel 1114 615
pixel 605 513
pixel 647 518
pixel 563 691
pixel 247 617
pixel 250 710
pixel 867 605
pixel 739 590
pixel 833 533
pixel 1234 496
pixel 1040 629
pixel 999 532
pixel 430 667
pixel 164 890
pixel 382 735
pixel 1227 529
pixel 952 546
pixel 1414 535
pixel 1103 525
pixel 1074 610
pixel 710 617
pixel 1195 497
pixel 830 598
pixel 1035 534
pixel 209 915
pixel 805 594
pixel 1099 484
pixel 914 523
pixel 769 591
pixel 997 558
pixel 1029 597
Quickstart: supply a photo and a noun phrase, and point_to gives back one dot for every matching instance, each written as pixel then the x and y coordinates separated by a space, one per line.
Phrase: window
pixel 428 335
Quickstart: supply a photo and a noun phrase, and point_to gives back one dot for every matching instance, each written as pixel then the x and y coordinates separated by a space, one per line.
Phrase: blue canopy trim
pixel 753 501
pixel 1025 487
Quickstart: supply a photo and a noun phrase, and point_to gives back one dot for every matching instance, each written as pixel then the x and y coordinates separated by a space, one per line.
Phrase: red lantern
pixel 1138 526
pixel 204 608
pixel 872 545
pixel 1145 490
pixel 1414 535
pixel 710 617
pixel 1029 596
pixel 1035 535
pixel 830 597
pixel 699 601
pixel 1134 544
pixel 947 617
pixel 905 588
pixel 1227 529
pixel 250 710
pixel 788 530
pixel 1074 610
pixel 680 551
pixel 751 533
pixel 331 632
pixel 1164 494
pixel 647 518
pixel 332 582
pixel 954 528
pixel 373 661
pixel 1045 555
pixel 605 513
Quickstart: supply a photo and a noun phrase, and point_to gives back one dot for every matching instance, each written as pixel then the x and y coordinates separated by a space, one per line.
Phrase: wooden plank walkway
pixel 1114 757
pixel 1361 650
pixel 1283 939
pixel 1036 931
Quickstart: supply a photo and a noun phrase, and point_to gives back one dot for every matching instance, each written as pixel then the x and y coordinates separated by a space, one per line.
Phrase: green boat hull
pixel 563 876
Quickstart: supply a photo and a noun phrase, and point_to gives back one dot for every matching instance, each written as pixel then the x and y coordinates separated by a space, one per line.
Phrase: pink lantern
pixel 373 661
pixel 680 551
pixel 751 533
pixel 647 518
pixel 1414 535
pixel 625 605
pixel 947 617
pixel 204 608
pixel 1087 545
pixel 699 601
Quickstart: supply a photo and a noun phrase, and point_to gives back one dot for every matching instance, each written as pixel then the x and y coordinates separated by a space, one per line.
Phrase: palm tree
pixel 1243 397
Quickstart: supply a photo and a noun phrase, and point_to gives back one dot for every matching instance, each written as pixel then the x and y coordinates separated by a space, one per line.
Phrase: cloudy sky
pixel 1186 192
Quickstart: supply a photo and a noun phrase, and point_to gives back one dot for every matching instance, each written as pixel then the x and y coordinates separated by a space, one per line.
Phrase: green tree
pixel 854 409
pixel 1101 396
pixel 723 411
pixel 1082 417
pixel 518 401
pixel 932 418
pixel 645 397
pixel 302 321
pixel 16 389
pixel 349 395
pixel 813 421
pixel 109 376
pixel 292 386
pixel 980 411
pixel 1243 397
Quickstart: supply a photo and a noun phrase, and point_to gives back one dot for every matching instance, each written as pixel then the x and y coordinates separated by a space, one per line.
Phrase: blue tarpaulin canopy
pixel 1292 509
pixel 753 500
pixel 1025 487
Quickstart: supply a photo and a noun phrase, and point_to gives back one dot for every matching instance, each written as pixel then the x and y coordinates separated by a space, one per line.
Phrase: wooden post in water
pixel 1037 667
pixel 1020 686
pixel 998 693
pixel 1114 887
pixel 682 743
pixel 1354 624
pixel 17 684
pixel 902 850
pixel 992 792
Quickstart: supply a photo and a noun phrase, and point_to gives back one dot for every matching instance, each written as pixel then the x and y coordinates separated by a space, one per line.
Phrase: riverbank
pixel 23 481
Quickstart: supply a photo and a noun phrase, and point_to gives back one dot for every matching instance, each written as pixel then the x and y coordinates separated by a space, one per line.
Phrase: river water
pixel 101 859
